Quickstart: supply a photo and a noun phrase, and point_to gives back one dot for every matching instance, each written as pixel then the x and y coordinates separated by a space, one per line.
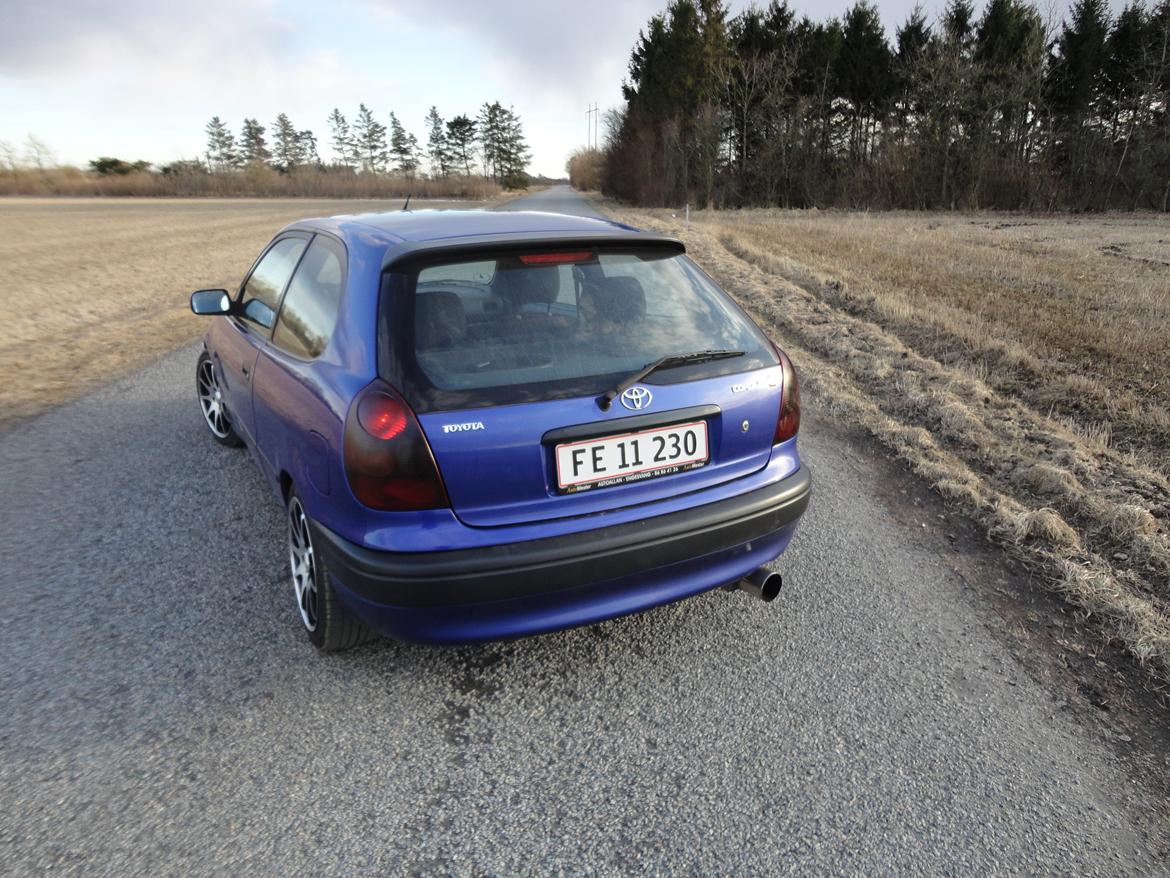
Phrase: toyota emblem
pixel 636 398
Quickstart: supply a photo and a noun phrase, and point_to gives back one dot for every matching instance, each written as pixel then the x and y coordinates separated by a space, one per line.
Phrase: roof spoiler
pixel 408 251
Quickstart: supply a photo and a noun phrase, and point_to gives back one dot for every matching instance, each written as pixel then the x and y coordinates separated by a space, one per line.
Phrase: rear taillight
pixel 388 462
pixel 788 422
pixel 382 416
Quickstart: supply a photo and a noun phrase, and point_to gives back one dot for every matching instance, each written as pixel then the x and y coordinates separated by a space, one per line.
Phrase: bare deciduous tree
pixel 37 153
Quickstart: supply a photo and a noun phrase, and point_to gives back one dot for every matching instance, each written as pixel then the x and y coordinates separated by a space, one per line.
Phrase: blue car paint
pixel 512 439
pixel 294 425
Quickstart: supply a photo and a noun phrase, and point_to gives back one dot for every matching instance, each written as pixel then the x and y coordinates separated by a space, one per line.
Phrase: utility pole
pixel 591 115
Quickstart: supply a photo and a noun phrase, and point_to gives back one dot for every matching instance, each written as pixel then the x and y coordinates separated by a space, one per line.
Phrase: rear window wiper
pixel 667 362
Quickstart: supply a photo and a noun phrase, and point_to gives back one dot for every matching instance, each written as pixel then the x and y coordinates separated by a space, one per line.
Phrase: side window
pixel 310 305
pixel 262 291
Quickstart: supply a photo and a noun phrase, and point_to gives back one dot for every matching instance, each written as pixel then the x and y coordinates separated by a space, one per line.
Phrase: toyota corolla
pixel 489 425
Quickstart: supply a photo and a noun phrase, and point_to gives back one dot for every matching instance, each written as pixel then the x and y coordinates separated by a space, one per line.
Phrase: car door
pixel 295 412
pixel 250 326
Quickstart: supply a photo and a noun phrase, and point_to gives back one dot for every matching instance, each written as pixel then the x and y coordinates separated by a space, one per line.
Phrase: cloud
pixel 54 39
pixel 548 45
pixel 145 57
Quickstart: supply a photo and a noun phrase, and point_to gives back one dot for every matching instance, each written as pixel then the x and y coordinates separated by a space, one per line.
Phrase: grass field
pixel 94 288
pixel 1018 363
pixel 255 181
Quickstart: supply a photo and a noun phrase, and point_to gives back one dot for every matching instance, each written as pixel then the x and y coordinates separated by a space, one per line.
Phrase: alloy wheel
pixel 211 401
pixel 304 566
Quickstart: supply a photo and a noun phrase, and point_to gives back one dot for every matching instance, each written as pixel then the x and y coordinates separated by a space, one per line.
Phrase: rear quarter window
pixel 309 311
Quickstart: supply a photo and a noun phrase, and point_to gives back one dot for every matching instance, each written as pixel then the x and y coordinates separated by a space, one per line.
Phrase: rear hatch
pixel 506 357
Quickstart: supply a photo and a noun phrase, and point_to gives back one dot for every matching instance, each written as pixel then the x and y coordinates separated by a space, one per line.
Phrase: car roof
pixel 407 233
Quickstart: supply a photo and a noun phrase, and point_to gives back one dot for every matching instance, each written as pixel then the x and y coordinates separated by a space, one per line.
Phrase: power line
pixel 591 117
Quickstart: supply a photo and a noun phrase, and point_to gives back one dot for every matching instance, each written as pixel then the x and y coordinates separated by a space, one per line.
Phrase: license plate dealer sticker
pixel 630 457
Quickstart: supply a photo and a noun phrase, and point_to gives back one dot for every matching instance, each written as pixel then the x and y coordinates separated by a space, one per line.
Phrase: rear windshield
pixel 513 328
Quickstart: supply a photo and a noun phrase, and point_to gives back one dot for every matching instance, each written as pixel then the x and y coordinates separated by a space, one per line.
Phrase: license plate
pixel 630 457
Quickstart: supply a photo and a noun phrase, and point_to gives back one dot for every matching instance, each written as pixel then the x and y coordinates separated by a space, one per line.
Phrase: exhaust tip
pixel 763 584
pixel 771 587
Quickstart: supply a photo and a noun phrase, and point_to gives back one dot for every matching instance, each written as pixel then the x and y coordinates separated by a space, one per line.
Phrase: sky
pixel 139 79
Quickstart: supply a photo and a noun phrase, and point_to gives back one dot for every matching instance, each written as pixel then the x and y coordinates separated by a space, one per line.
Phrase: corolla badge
pixel 771 381
pixel 636 398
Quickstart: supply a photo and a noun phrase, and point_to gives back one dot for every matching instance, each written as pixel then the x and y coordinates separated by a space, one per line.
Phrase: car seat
pixel 440 320
pixel 613 303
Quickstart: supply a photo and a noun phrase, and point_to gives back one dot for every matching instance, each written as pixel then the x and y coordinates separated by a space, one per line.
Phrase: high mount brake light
pixel 556 258
pixel 788 421
pixel 388 463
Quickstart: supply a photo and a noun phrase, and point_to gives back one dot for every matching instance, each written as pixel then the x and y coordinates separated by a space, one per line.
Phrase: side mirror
pixel 211 302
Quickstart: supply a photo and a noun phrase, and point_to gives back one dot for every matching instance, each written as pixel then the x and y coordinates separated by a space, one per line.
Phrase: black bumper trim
pixel 515 570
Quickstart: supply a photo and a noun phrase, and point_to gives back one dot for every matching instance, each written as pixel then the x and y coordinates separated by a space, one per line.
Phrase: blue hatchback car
pixel 489 425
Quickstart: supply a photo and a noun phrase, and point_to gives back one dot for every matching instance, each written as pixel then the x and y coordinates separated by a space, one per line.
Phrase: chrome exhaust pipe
pixel 762 583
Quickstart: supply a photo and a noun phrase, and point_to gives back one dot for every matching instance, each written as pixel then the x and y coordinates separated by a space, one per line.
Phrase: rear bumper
pixel 515 589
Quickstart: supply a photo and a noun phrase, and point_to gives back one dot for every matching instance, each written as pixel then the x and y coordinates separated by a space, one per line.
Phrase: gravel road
pixel 163 714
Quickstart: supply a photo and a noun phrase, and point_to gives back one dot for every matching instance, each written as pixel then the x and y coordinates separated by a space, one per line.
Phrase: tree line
pixel 492 144
pixel 1000 110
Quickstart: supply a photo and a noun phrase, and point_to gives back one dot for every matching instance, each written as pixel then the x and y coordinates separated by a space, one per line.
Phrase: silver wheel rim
pixel 304 566
pixel 211 401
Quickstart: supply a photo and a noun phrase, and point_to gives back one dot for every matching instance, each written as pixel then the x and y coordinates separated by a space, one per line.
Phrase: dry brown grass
pixel 94 288
pixel 1070 315
pixel 1015 364
pixel 258 181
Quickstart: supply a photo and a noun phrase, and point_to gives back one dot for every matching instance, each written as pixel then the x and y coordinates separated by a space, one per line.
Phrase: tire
pixel 329 625
pixel 211 405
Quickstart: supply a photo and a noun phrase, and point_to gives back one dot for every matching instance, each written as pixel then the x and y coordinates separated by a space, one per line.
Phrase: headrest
pixel 616 299
pixel 530 286
pixel 439 320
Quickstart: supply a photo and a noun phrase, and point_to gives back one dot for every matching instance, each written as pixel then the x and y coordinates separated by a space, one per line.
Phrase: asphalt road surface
pixel 163 713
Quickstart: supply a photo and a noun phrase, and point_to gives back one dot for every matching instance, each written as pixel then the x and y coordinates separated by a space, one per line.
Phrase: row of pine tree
pixel 492 144
pixel 1000 109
